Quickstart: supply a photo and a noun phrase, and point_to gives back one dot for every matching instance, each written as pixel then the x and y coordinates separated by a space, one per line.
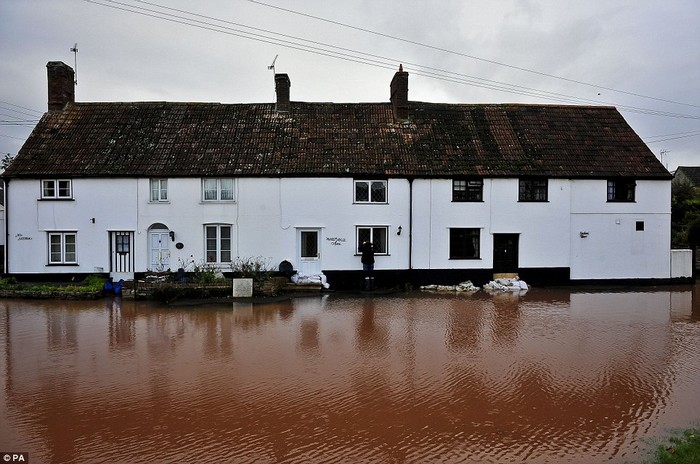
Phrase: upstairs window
pixel 467 190
pixel 532 190
pixel 370 191
pixel 465 243
pixel 217 189
pixel 376 235
pixel 159 190
pixel 56 189
pixel 621 190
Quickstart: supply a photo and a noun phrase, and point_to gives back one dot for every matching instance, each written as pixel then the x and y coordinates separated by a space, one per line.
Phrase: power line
pixel 356 56
pixel 465 55
pixel 21 107
pixel 687 135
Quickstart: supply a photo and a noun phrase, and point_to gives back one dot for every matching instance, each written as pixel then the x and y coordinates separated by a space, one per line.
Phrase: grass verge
pixel 683 448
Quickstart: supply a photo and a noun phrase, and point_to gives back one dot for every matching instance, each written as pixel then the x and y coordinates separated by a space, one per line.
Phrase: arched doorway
pixel 159 247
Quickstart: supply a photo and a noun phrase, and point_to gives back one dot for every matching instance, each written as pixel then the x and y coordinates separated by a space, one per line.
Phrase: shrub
pixel 257 268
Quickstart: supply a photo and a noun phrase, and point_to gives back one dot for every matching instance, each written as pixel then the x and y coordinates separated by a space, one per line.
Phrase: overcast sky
pixel 638 55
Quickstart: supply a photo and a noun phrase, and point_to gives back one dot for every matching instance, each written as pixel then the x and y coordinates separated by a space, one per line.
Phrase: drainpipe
pixel 7 228
pixel 410 224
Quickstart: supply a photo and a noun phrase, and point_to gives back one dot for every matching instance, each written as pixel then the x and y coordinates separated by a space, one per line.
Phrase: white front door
pixel 160 251
pixel 309 251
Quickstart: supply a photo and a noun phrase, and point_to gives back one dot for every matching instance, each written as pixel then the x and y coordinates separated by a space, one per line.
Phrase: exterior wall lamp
pixel 398 231
pixel 172 235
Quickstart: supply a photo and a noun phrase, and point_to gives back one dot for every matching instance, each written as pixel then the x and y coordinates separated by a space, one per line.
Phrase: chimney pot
pixel 399 94
pixel 282 85
pixel 61 78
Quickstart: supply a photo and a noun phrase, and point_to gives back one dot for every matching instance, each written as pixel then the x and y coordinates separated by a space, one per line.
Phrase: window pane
pixel 474 190
pixel 532 190
pixel 226 189
pixel 70 248
pixel 55 248
pixel 459 190
pixel 122 242
pixel 154 190
pixel 163 189
pixel 64 188
pixel 48 189
pixel 210 243
pixel 210 189
pixel 364 234
pixel 379 240
pixel 361 191
pixel 309 244
pixel 378 192
pixel 464 243
pixel 225 244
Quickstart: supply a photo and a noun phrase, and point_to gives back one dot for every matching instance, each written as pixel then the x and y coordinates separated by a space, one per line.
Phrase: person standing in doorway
pixel 367 250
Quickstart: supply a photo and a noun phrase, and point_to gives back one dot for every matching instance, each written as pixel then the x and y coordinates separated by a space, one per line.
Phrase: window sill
pixel 62 264
pixel 621 201
pixel 217 202
pixel 370 203
pixel 465 259
pixel 165 202
pixel 467 201
pixel 533 201
pixel 55 199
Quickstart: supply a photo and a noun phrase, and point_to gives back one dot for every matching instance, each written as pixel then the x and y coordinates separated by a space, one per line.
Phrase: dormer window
pixel 56 189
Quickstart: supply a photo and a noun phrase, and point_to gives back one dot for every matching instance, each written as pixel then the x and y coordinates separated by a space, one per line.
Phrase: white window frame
pixel 220 193
pixel 51 189
pixel 370 199
pixel 218 242
pixel 158 188
pixel 373 239
pixel 66 256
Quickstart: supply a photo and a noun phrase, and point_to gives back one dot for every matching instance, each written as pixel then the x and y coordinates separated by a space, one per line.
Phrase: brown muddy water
pixel 551 376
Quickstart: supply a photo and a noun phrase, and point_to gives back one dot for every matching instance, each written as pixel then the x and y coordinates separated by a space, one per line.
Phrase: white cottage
pixel 446 192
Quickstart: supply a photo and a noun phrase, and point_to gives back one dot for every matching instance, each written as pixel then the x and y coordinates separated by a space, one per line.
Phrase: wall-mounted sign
pixel 22 237
pixel 336 241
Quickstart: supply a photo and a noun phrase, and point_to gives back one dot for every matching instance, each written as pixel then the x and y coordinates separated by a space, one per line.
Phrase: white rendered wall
pixel 111 202
pixel 543 227
pixel 268 214
pixel 604 241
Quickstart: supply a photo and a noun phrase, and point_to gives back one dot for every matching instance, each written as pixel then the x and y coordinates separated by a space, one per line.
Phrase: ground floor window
pixel 218 243
pixel 62 248
pixel 377 235
pixel 464 243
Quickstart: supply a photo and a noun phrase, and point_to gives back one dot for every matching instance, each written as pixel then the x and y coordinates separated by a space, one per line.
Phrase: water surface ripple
pixel 550 376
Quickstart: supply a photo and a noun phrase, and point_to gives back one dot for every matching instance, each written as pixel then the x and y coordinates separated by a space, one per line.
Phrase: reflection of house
pixel 445 191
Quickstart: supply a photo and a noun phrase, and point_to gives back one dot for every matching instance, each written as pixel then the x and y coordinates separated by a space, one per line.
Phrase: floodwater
pixel 551 376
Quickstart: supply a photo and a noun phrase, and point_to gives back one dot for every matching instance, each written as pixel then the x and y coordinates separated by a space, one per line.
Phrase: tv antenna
pixel 75 61
pixel 272 66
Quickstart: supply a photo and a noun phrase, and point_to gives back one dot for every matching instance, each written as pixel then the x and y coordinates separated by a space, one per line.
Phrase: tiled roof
pixel 331 139
pixel 691 173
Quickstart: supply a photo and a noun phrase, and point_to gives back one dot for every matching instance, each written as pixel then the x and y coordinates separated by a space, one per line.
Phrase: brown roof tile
pixel 328 139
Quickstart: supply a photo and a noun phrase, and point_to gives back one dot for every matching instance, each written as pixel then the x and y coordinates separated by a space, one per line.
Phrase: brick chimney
pixel 61 85
pixel 399 94
pixel 282 85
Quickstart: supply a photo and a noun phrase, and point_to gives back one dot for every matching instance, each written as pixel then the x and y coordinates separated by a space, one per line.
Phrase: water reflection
pixel 549 376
